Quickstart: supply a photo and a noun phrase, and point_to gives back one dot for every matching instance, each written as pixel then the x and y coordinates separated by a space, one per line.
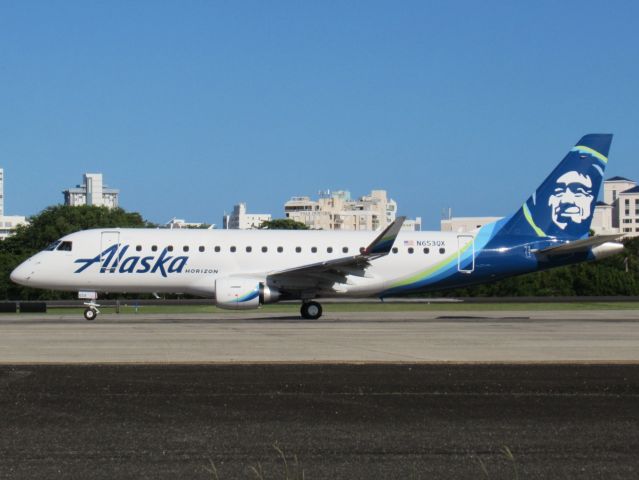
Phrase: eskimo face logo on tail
pixel 114 259
pixel 571 201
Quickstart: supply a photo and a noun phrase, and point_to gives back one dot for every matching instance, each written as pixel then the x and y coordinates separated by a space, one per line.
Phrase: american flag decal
pixel 409 243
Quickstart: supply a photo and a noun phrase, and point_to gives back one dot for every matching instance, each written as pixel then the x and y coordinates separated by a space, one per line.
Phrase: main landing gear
pixel 311 310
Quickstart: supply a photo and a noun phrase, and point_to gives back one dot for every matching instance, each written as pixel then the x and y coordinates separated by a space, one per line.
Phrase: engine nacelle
pixel 243 293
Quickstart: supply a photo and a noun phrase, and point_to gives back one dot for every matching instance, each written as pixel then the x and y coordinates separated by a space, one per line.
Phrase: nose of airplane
pixel 22 273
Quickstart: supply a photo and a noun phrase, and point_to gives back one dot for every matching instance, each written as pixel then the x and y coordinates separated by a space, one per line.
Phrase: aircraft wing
pixel 576 246
pixel 319 274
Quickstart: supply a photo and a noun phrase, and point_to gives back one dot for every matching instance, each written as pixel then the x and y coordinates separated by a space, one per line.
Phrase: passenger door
pixel 465 245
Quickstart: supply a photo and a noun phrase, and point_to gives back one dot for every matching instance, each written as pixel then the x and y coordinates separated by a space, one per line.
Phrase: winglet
pixel 385 240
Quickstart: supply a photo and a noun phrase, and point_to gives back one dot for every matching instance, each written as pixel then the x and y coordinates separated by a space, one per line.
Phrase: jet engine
pixel 243 293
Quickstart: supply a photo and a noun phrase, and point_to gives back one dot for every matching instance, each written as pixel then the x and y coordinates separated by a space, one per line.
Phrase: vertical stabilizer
pixel 564 204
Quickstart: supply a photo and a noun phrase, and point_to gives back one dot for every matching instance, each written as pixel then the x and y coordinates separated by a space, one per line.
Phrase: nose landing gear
pixel 91 312
pixel 311 310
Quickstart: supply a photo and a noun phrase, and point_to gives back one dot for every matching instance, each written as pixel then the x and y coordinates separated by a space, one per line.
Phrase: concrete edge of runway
pixel 353 338
pixel 332 363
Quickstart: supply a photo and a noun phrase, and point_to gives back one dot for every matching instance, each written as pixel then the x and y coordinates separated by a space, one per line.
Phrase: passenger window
pixel 154 248
pixel 345 249
pixel 65 247
pixel 314 249
pixel 217 248
pixel 170 248
pixel 233 249
pixel 264 249
pixel 298 249
pixel 249 249
pixel 395 250
pixel 411 249
pixel 185 248
pixel 427 250
pixel 201 248
pixel 280 249
pixel 442 250
pixel 138 248
pixel 329 249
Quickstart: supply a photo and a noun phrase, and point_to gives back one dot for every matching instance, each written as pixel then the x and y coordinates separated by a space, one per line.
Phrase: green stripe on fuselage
pixel 418 277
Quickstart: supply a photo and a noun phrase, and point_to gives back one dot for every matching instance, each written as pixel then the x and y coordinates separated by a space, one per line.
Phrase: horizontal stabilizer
pixel 578 245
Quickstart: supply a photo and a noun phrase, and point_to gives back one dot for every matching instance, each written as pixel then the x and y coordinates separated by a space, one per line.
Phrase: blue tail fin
pixel 564 204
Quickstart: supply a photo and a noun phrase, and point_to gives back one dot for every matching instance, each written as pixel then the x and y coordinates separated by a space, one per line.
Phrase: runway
pixel 413 395
pixel 411 421
pixel 377 337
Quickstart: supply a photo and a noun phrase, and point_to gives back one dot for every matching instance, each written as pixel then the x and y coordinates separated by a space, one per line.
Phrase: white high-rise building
pixel 181 223
pixel 619 212
pixel 240 220
pixel 336 211
pixel 412 225
pixel 92 192
pixel 465 224
pixel 612 188
pixel 1 192
pixel 8 223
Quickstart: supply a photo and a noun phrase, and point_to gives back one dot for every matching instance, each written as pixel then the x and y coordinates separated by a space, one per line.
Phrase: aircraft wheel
pixel 311 310
pixel 90 314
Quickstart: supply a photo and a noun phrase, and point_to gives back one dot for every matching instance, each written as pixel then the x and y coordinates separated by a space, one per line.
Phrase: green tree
pixel 48 226
pixel 283 224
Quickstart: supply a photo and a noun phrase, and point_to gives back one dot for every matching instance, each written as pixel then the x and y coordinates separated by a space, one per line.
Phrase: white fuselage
pixel 190 261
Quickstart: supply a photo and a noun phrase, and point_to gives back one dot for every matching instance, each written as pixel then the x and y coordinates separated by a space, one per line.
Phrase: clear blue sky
pixel 191 106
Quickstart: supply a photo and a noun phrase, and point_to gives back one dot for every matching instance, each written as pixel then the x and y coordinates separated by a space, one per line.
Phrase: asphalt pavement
pixel 372 421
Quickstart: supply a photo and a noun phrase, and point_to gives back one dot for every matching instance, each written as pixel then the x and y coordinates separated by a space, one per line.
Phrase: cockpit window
pixel 65 247
pixel 53 245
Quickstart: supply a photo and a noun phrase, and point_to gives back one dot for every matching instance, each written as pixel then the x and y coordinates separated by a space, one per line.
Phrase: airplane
pixel 244 269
